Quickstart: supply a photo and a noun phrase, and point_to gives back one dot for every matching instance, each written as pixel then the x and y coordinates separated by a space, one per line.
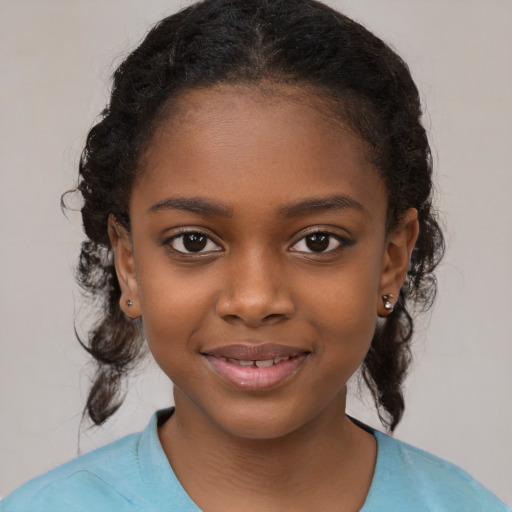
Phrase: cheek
pixel 347 293
pixel 173 305
pixel 346 335
pixel 342 307
pixel 346 330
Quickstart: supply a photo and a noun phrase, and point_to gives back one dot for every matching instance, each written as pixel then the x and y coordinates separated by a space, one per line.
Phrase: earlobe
pixel 400 243
pixel 125 267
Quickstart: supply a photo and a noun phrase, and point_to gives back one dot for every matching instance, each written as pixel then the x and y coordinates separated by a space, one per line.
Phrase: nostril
pixel 230 318
pixel 273 317
pixel 255 308
pixel 255 322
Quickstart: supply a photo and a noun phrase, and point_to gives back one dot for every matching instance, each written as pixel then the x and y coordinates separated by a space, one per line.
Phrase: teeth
pixel 264 364
pixel 259 364
pixel 240 362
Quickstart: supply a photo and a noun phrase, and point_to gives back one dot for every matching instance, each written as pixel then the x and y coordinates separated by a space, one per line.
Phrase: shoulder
pixel 132 475
pixel 408 477
pixel 103 479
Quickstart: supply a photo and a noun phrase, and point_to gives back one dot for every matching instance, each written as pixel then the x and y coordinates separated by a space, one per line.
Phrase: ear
pixel 395 262
pixel 125 267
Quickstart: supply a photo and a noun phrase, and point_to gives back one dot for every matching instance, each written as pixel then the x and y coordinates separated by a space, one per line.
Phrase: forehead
pixel 254 144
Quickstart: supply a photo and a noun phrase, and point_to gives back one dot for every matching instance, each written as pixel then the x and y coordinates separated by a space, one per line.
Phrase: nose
pixel 255 292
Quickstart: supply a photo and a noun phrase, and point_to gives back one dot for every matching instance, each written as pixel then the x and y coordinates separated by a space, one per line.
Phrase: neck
pixel 327 456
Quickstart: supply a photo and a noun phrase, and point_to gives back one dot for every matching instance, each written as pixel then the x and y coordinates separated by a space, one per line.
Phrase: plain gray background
pixel 56 60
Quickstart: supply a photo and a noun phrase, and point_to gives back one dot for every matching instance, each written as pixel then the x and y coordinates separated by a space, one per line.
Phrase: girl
pixel 257 205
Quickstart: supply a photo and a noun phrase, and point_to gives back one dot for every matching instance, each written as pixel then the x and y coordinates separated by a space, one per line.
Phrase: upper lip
pixel 245 352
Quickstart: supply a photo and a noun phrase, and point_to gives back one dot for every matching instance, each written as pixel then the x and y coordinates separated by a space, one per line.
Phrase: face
pixel 258 257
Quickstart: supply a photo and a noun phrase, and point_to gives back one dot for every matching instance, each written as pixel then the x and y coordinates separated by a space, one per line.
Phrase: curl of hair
pixel 300 42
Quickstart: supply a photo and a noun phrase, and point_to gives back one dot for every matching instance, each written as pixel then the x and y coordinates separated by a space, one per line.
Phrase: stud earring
pixel 387 304
pixel 129 303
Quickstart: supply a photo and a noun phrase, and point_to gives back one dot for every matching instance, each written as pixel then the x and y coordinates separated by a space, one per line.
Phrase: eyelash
pixel 209 240
pixel 342 242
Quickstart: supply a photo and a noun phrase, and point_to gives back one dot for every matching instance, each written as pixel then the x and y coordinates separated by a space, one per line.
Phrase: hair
pixel 299 42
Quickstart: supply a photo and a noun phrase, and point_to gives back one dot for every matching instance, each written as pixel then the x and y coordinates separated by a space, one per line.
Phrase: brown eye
pixel 319 242
pixel 193 242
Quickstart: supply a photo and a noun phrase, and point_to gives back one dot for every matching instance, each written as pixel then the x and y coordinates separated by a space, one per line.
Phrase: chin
pixel 259 430
pixel 263 421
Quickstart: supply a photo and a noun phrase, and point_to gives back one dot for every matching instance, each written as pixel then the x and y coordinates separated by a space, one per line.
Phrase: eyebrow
pixel 320 204
pixel 198 205
pixel 203 206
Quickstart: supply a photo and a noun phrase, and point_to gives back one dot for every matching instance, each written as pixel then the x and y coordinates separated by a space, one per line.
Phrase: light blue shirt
pixel 134 475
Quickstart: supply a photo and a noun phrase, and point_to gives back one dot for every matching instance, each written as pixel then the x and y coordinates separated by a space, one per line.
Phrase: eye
pixel 318 242
pixel 192 242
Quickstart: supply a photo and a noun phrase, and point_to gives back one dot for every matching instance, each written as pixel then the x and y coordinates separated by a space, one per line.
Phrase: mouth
pixel 256 367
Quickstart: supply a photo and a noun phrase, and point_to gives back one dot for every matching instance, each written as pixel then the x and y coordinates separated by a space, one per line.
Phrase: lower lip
pixel 256 379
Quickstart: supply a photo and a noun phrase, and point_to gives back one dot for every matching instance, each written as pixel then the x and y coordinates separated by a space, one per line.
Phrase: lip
pixel 254 352
pixel 224 361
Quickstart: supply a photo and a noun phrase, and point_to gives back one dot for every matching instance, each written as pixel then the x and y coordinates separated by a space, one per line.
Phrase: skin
pixel 289 447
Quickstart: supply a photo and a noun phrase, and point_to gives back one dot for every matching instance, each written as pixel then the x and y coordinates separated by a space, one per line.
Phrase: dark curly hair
pixel 300 42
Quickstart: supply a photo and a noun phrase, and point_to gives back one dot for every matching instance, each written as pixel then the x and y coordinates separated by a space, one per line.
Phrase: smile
pixel 256 368
pixel 267 363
